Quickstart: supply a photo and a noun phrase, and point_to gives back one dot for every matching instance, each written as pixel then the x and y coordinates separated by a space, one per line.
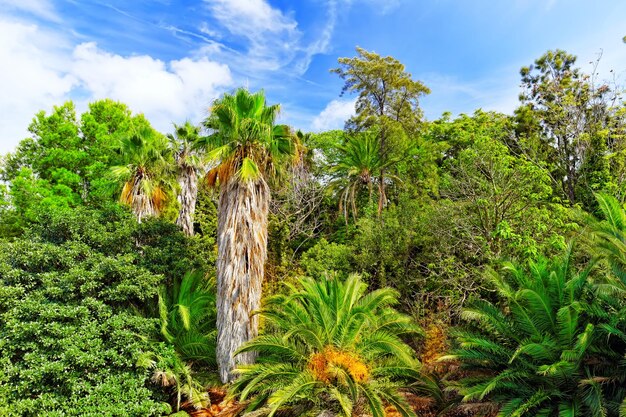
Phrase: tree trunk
pixel 242 251
pixel 382 196
pixel 140 203
pixel 188 181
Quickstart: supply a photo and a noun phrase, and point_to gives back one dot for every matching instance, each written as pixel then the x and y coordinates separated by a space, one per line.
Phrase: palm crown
pixel 358 166
pixel 245 141
pixel 146 175
pixel 185 141
pixel 331 346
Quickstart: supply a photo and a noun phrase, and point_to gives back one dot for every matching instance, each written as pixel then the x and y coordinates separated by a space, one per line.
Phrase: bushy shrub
pixel 71 334
pixel 327 257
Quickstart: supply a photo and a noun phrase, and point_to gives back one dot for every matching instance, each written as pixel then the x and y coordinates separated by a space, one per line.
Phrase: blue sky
pixel 170 58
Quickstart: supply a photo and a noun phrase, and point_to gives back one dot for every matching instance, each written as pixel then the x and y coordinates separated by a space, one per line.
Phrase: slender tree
pixel 572 113
pixel 249 150
pixel 388 98
pixel 188 160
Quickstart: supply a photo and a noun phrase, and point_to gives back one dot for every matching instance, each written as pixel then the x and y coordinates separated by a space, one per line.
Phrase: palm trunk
pixel 188 181
pixel 141 204
pixel 242 251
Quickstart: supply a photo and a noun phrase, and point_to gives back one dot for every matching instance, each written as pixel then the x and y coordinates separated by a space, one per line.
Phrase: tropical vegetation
pixel 471 265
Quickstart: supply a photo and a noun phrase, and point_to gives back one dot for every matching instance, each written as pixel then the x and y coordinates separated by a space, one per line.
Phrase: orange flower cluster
pixel 322 365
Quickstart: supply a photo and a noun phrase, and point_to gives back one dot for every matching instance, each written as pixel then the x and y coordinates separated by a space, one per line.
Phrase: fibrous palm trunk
pixel 242 251
pixel 188 181
pixel 140 203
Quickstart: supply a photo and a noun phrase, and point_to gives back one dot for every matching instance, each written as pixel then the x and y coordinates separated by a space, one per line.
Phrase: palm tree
pixel 249 150
pixel 146 171
pixel 332 347
pixel 536 355
pixel 185 141
pixel 358 167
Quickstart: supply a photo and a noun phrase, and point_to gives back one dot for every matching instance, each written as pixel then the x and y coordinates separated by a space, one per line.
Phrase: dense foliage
pixel 133 262
pixel 70 331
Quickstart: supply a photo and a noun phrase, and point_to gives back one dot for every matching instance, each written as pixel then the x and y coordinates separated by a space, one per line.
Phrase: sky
pixel 169 59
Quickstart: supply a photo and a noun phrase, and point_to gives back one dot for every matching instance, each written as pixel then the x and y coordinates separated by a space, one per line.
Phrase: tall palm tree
pixel 185 142
pixel 146 173
pixel 358 166
pixel 538 355
pixel 249 150
pixel 331 346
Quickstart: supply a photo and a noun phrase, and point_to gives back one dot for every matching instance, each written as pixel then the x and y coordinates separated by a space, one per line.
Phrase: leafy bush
pixel 70 335
pixel 327 256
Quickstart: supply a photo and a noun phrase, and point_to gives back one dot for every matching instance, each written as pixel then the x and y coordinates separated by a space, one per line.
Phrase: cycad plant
pixel 332 346
pixel 248 150
pixel 535 354
pixel 187 313
pixel 175 376
pixel 606 240
pixel 147 171
pixel 185 362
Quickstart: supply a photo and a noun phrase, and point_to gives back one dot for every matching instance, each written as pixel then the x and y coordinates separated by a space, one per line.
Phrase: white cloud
pixel 33 76
pixel 43 69
pixel 334 115
pixel 40 8
pixel 207 30
pixel 164 92
pixel 250 18
pixel 272 39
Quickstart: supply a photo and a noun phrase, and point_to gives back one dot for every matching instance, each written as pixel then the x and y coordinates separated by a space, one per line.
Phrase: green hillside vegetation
pixel 466 266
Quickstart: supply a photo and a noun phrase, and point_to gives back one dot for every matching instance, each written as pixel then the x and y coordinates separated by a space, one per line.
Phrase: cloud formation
pixel 174 90
pixel 46 69
pixel 40 8
pixel 334 115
